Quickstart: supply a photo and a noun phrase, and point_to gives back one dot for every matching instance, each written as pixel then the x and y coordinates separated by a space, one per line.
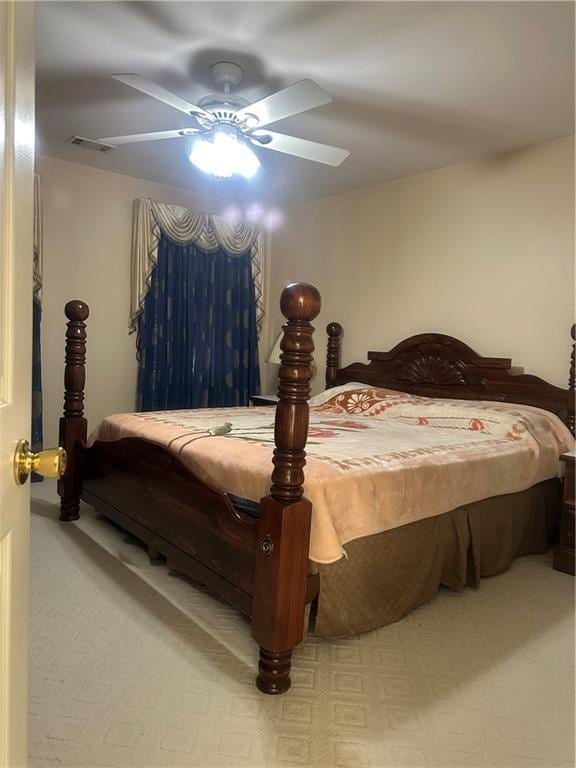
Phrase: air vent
pixel 96 146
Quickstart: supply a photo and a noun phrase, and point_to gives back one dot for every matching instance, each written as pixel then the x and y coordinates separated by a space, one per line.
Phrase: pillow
pixel 359 398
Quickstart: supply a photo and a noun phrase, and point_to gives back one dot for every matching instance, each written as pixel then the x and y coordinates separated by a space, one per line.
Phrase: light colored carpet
pixel 133 667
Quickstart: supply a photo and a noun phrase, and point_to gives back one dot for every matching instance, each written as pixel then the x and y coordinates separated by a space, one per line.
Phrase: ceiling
pixel 416 85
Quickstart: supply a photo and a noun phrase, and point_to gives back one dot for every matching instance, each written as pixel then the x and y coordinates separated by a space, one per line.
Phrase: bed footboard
pixel 259 565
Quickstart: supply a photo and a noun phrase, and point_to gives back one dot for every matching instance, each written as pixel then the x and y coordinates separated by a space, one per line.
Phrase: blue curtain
pixel 197 336
pixel 37 435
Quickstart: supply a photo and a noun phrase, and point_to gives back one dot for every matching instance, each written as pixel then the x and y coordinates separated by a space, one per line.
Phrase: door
pixel 16 222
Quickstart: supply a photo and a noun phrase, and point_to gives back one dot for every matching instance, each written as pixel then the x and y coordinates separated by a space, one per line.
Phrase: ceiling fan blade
pixel 155 136
pixel 158 92
pixel 304 95
pixel 311 150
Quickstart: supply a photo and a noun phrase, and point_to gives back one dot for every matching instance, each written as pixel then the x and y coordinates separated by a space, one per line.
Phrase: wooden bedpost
pixel 333 351
pixel 73 425
pixel 281 571
pixel 570 420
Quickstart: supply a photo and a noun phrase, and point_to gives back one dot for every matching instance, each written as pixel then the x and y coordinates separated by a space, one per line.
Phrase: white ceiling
pixel 416 85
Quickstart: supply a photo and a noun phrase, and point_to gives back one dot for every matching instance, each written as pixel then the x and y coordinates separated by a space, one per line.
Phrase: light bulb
pixel 201 155
pixel 223 155
pixel 224 148
pixel 246 161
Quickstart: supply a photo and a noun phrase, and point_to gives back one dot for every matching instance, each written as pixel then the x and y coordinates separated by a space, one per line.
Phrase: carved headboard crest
pixel 430 369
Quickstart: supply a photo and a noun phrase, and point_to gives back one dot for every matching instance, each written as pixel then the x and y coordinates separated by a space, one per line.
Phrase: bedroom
pixel 453 215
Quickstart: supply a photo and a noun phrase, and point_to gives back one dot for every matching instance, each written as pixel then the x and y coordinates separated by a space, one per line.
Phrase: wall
pixel 482 250
pixel 87 240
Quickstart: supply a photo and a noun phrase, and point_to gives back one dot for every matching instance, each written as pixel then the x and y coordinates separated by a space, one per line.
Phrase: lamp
pixel 274 356
pixel 224 153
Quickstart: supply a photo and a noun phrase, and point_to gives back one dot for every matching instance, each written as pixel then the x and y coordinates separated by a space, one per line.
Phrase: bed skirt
pixel 389 574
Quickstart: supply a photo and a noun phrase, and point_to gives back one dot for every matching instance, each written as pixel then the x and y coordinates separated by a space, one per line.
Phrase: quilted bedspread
pixel 376 459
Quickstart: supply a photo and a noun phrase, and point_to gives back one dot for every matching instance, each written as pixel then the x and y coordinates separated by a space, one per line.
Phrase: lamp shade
pixel 274 356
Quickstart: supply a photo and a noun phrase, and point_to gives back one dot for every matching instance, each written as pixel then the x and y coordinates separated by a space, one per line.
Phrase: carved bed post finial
pixel 570 420
pixel 281 573
pixel 75 372
pixel 300 303
pixel 333 351
pixel 73 425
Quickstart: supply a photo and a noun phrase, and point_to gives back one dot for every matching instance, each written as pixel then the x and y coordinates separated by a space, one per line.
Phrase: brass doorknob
pixel 49 463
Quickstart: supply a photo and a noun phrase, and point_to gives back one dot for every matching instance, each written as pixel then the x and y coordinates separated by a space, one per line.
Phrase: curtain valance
pixel 185 226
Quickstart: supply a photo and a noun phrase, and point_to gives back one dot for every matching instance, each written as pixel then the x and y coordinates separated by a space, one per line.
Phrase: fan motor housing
pixel 223 107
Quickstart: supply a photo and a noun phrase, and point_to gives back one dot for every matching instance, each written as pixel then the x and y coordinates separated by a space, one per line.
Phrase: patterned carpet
pixel 133 667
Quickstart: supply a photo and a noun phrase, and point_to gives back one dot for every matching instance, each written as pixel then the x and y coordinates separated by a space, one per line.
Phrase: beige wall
pixel 483 250
pixel 87 235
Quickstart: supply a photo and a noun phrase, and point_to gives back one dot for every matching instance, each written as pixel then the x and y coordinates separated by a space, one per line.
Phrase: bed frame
pixel 260 564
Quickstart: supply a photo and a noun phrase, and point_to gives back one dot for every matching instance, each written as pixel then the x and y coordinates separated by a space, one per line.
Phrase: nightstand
pixel 564 552
pixel 263 399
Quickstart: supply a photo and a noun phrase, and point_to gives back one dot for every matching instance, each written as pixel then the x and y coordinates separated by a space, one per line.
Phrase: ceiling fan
pixel 227 125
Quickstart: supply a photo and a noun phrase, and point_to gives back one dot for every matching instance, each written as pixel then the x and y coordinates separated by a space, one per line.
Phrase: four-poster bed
pixel 257 558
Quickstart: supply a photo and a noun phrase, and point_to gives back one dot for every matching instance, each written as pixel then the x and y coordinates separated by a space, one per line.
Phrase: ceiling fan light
pixel 201 155
pixel 213 156
pixel 247 163
pixel 223 155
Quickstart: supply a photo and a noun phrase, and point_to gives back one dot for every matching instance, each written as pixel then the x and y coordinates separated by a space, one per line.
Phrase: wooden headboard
pixel 435 365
